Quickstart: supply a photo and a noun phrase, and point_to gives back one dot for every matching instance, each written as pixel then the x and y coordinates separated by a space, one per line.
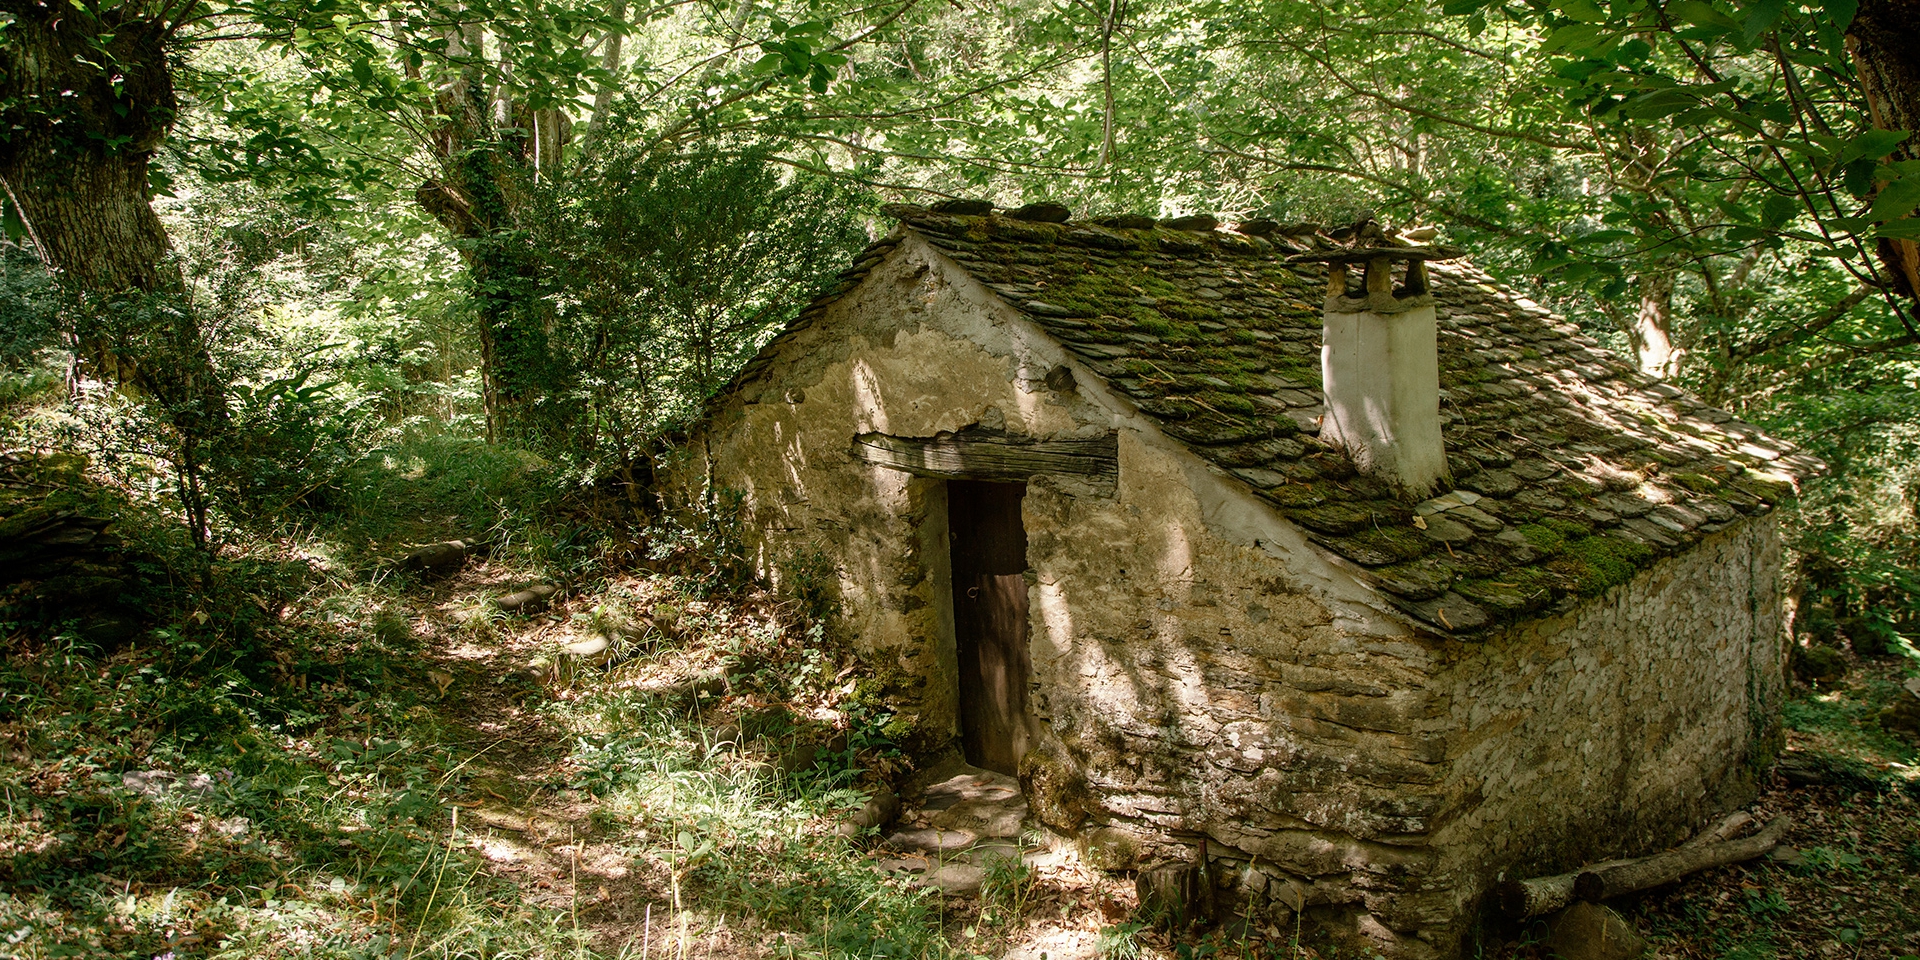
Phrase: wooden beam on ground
pixel 979 454
pixel 1530 898
pixel 1612 880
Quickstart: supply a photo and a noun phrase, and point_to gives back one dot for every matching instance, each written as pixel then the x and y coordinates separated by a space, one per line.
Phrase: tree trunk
pixel 1652 329
pixel 1608 880
pixel 1887 56
pixel 483 200
pixel 75 149
pixel 87 100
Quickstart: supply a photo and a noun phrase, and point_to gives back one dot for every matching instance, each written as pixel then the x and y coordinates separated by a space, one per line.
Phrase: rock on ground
pixel 1588 931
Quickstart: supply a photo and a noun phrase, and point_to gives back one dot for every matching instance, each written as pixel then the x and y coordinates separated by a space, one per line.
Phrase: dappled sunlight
pixel 793 459
pixel 869 411
pixel 1056 615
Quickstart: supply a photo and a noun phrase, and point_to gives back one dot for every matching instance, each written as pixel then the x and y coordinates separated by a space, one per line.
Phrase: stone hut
pixel 1372 593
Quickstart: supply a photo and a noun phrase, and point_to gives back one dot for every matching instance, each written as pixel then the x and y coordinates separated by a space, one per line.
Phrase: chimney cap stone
pixel 963 207
pixel 1370 254
pixel 1042 212
pixel 1195 223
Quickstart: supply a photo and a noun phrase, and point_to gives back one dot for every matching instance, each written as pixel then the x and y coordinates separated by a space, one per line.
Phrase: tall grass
pixel 747 840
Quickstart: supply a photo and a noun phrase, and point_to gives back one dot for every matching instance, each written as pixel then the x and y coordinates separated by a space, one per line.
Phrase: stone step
pixel 986 818
pixel 933 841
pixel 958 829
pixel 976 785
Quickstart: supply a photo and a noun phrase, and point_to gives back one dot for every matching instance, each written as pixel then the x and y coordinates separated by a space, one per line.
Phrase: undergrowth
pixel 283 760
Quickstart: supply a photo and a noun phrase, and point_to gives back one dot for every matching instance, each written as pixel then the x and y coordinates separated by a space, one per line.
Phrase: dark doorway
pixel 990 620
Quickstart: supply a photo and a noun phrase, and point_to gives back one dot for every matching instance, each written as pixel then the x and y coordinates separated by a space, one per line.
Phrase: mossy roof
pixel 1570 470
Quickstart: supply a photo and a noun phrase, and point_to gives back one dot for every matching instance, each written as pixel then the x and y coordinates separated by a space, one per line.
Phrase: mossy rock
pixel 1056 791
pixel 1110 849
pixel 1377 548
pixel 1516 592
pixel 1592 565
pixel 1696 482
pixel 1543 537
pixel 1815 664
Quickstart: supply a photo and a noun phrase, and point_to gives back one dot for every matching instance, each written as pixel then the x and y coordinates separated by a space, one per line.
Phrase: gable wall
pixel 1620 728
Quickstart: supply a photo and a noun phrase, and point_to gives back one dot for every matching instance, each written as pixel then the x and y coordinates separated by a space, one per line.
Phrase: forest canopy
pixel 559 225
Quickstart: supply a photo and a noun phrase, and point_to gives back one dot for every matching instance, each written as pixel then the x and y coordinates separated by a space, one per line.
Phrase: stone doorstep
pixel 932 841
pixel 959 827
pixel 973 785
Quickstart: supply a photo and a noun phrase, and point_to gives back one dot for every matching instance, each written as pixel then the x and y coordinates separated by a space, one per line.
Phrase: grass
pixel 271 827
pixel 1844 721
pixel 311 752
pixel 326 819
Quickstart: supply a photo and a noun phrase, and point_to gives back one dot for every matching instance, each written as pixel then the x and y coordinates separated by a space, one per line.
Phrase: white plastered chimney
pixel 1380 367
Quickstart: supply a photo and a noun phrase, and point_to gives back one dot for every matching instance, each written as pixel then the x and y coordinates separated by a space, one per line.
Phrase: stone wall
pixel 1617 729
pixel 1202 674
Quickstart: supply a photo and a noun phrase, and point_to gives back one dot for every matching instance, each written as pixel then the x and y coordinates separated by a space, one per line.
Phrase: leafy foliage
pixel 29 304
pixel 668 271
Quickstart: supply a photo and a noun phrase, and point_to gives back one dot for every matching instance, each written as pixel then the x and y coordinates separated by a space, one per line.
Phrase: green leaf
pixel 1659 103
pixel 1841 12
pixel 1577 38
pixel 1895 200
pixel 1702 14
pixel 1606 236
pixel 363 71
pixel 1899 230
pixel 1586 11
pixel 1777 210
pixel 1859 176
pixel 10 222
pixel 1761 17
pixel 1874 144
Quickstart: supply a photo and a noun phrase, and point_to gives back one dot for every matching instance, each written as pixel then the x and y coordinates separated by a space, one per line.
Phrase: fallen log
pixel 1530 898
pixel 1612 880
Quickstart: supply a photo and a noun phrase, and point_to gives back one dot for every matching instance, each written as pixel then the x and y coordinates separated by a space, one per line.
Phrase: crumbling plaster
pixel 1200 669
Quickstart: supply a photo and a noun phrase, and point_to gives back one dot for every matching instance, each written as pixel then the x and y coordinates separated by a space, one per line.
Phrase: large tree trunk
pixel 1885 39
pixel 74 153
pixel 87 100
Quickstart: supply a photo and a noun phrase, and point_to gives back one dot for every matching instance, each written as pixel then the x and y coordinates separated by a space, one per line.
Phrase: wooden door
pixel 990 619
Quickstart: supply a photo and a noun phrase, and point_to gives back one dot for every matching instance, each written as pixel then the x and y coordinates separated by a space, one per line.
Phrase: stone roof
pixel 1570 470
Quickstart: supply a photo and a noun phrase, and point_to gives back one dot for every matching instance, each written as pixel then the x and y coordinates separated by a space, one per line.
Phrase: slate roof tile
pixel 1574 469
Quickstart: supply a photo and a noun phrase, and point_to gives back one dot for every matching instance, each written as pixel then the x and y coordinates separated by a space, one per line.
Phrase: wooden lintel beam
pixel 976 454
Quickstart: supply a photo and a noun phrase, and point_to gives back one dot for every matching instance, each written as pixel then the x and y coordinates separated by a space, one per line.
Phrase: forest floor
pixel 425 774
